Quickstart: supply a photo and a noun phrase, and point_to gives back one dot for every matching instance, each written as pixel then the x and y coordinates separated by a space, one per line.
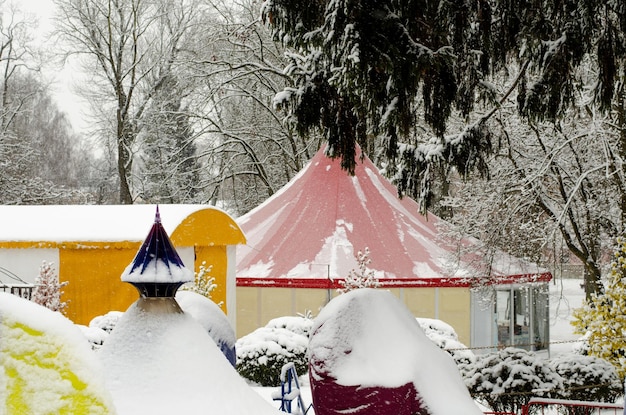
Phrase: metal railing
pixel 574 407
pixel 19 288
pixel 290 391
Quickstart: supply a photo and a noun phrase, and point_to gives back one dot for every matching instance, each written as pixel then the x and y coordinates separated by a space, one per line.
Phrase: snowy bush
pixel 203 283
pixel 588 378
pixel 581 347
pixel 262 354
pixel 296 324
pixel 94 335
pixel 601 319
pixel 444 336
pixel 507 379
pixel 362 277
pixel 100 327
pixel 48 289
pixel 106 322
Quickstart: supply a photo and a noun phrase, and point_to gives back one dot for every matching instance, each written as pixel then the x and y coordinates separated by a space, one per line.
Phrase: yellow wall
pixel 310 300
pixel 454 309
pixel 276 303
pixel 248 313
pixel 256 306
pixel 94 275
pixel 420 301
pixel 95 287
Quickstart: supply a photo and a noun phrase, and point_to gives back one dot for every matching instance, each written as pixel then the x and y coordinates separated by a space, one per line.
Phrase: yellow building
pixel 90 246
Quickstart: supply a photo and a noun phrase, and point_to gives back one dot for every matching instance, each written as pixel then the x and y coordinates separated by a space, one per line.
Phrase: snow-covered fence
pixel 21 290
pixel 19 287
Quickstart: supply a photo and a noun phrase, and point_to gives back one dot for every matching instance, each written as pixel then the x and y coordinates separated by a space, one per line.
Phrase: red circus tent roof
pixel 308 233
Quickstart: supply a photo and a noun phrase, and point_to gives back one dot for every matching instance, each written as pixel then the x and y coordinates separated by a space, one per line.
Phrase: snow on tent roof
pixel 69 223
pixel 313 227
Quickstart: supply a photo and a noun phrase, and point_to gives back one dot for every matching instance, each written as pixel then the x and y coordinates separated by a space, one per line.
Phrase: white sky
pixel 62 79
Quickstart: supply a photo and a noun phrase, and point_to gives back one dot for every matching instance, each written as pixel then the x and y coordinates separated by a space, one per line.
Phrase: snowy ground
pixel 26 328
pixel 565 296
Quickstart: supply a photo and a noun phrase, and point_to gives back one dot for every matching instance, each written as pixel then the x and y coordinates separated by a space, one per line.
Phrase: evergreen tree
pixel 361 277
pixel 48 289
pixel 603 318
pixel 170 167
pixel 368 68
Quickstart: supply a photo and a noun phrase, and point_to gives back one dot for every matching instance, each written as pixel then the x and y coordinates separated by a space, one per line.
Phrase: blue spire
pixel 157 269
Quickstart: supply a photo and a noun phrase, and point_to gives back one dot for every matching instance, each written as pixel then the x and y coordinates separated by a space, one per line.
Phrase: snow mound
pixel 106 322
pixel 368 339
pixel 212 318
pixel 95 335
pixel 166 363
pixel 46 364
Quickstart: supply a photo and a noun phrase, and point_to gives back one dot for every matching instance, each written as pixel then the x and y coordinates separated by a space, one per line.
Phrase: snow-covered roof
pixel 157 260
pixel 89 223
pixel 314 226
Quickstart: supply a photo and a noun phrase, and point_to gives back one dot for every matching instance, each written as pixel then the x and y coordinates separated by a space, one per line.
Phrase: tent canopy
pixel 314 226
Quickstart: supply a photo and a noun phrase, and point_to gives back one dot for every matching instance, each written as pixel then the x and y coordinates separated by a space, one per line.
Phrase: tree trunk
pixel 124 158
pixel 592 281
pixel 621 120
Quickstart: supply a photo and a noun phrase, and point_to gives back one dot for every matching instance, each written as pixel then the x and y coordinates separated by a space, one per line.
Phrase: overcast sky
pixel 62 79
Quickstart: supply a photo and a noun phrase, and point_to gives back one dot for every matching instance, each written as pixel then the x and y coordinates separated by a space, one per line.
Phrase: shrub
pixel 94 335
pixel 588 378
pixel 203 283
pixel 262 354
pixel 296 324
pixel 507 379
pixel 106 322
pixel 48 289
pixel 444 336
pixel 601 318
pixel 362 277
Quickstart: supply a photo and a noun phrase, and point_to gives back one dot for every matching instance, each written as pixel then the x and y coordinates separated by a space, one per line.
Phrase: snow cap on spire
pixel 157 270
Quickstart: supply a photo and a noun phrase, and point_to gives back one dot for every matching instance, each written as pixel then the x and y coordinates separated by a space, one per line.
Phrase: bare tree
pixel 555 191
pixel 36 141
pixel 130 47
pixel 249 149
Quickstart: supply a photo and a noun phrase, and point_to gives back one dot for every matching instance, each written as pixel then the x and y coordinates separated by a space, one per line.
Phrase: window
pixel 521 317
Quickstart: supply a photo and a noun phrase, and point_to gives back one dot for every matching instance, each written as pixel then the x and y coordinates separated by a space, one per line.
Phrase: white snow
pixel 565 296
pixel 63 223
pixel 95 335
pixel 208 314
pixel 46 364
pixel 158 271
pixel 168 364
pixel 369 338
pixel 338 248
